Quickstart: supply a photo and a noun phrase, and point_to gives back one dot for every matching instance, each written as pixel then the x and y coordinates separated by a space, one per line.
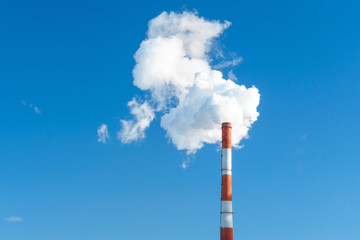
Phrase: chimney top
pixel 226 125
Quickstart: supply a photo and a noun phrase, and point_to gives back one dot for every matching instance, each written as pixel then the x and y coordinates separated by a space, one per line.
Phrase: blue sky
pixel 296 178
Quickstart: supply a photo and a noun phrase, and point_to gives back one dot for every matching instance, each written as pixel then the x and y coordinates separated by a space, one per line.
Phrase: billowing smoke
pixel 192 99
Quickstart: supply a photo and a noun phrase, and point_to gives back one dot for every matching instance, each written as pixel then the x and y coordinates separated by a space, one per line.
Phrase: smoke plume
pixel 190 96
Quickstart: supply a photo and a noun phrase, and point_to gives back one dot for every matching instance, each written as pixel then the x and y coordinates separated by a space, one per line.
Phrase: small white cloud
pixel 37 111
pixel 185 164
pixel 238 146
pixel 134 130
pixel 103 133
pixel 14 219
pixel 23 103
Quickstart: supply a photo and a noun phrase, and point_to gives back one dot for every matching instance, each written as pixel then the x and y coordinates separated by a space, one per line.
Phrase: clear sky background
pixel 297 178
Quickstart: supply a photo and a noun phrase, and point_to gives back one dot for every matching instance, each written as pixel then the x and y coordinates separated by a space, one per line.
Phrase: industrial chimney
pixel 226 213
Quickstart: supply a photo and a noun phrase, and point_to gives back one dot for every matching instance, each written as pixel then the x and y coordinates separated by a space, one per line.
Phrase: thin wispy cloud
pixel 103 133
pixel 232 76
pixel 229 63
pixel 14 219
pixel 35 108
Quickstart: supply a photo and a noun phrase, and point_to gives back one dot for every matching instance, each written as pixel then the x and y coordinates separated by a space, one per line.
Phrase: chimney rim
pixel 226 125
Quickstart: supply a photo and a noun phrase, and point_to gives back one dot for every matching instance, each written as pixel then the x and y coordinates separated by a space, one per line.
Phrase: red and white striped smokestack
pixel 226 213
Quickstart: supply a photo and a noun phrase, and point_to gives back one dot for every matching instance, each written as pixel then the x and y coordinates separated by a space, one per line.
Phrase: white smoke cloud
pixel 173 65
pixel 103 133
